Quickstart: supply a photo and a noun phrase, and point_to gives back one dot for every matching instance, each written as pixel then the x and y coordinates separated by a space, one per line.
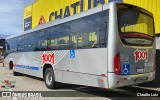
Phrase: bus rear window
pixel 136 28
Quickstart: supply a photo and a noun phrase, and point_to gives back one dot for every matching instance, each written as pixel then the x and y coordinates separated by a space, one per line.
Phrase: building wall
pixel 43 11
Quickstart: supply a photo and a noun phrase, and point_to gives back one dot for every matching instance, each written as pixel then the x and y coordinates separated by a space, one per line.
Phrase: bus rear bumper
pixel 126 80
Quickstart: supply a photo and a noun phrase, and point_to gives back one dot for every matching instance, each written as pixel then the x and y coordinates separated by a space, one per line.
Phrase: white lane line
pixel 14 98
pixel 14 77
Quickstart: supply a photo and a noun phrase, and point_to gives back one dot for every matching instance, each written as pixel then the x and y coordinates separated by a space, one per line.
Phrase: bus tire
pixel 49 78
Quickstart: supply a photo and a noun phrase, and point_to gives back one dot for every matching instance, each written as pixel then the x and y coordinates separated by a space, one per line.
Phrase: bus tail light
pixel 117 66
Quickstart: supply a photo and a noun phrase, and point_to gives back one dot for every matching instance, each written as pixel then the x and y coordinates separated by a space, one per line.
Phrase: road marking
pixel 14 77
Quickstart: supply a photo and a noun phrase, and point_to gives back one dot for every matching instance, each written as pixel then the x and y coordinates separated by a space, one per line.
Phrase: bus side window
pixel 8 47
pixel 73 40
pixel 85 40
pixel 64 42
pixel 79 41
pixel 60 37
pixel 93 39
pixel 53 44
pixel 21 44
pixel 43 45
pixel 18 48
pixel 41 41
pixel 92 30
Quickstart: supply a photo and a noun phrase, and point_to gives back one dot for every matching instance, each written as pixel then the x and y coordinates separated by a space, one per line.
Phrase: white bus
pixel 109 46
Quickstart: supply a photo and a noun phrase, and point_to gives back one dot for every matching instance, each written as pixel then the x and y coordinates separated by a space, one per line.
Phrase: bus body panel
pixel 138 60
pixel 85 79
pixel 127 80
pixel 112 36
pixel 86 66
pixel 90 61
pixel 67 69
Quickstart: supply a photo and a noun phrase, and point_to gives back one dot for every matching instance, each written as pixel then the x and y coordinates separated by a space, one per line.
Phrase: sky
pixel 11 16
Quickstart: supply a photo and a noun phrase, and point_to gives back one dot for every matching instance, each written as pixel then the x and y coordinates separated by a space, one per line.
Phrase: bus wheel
pixel 49 78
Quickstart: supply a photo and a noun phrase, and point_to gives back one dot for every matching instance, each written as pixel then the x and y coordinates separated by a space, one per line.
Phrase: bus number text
pixel 48 58
pixel 141 55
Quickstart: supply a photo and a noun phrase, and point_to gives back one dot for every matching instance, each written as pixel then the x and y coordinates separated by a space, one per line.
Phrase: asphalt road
pixel 64 91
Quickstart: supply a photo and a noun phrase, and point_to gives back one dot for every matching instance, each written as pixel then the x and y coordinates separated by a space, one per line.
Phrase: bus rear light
pixel 117 66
